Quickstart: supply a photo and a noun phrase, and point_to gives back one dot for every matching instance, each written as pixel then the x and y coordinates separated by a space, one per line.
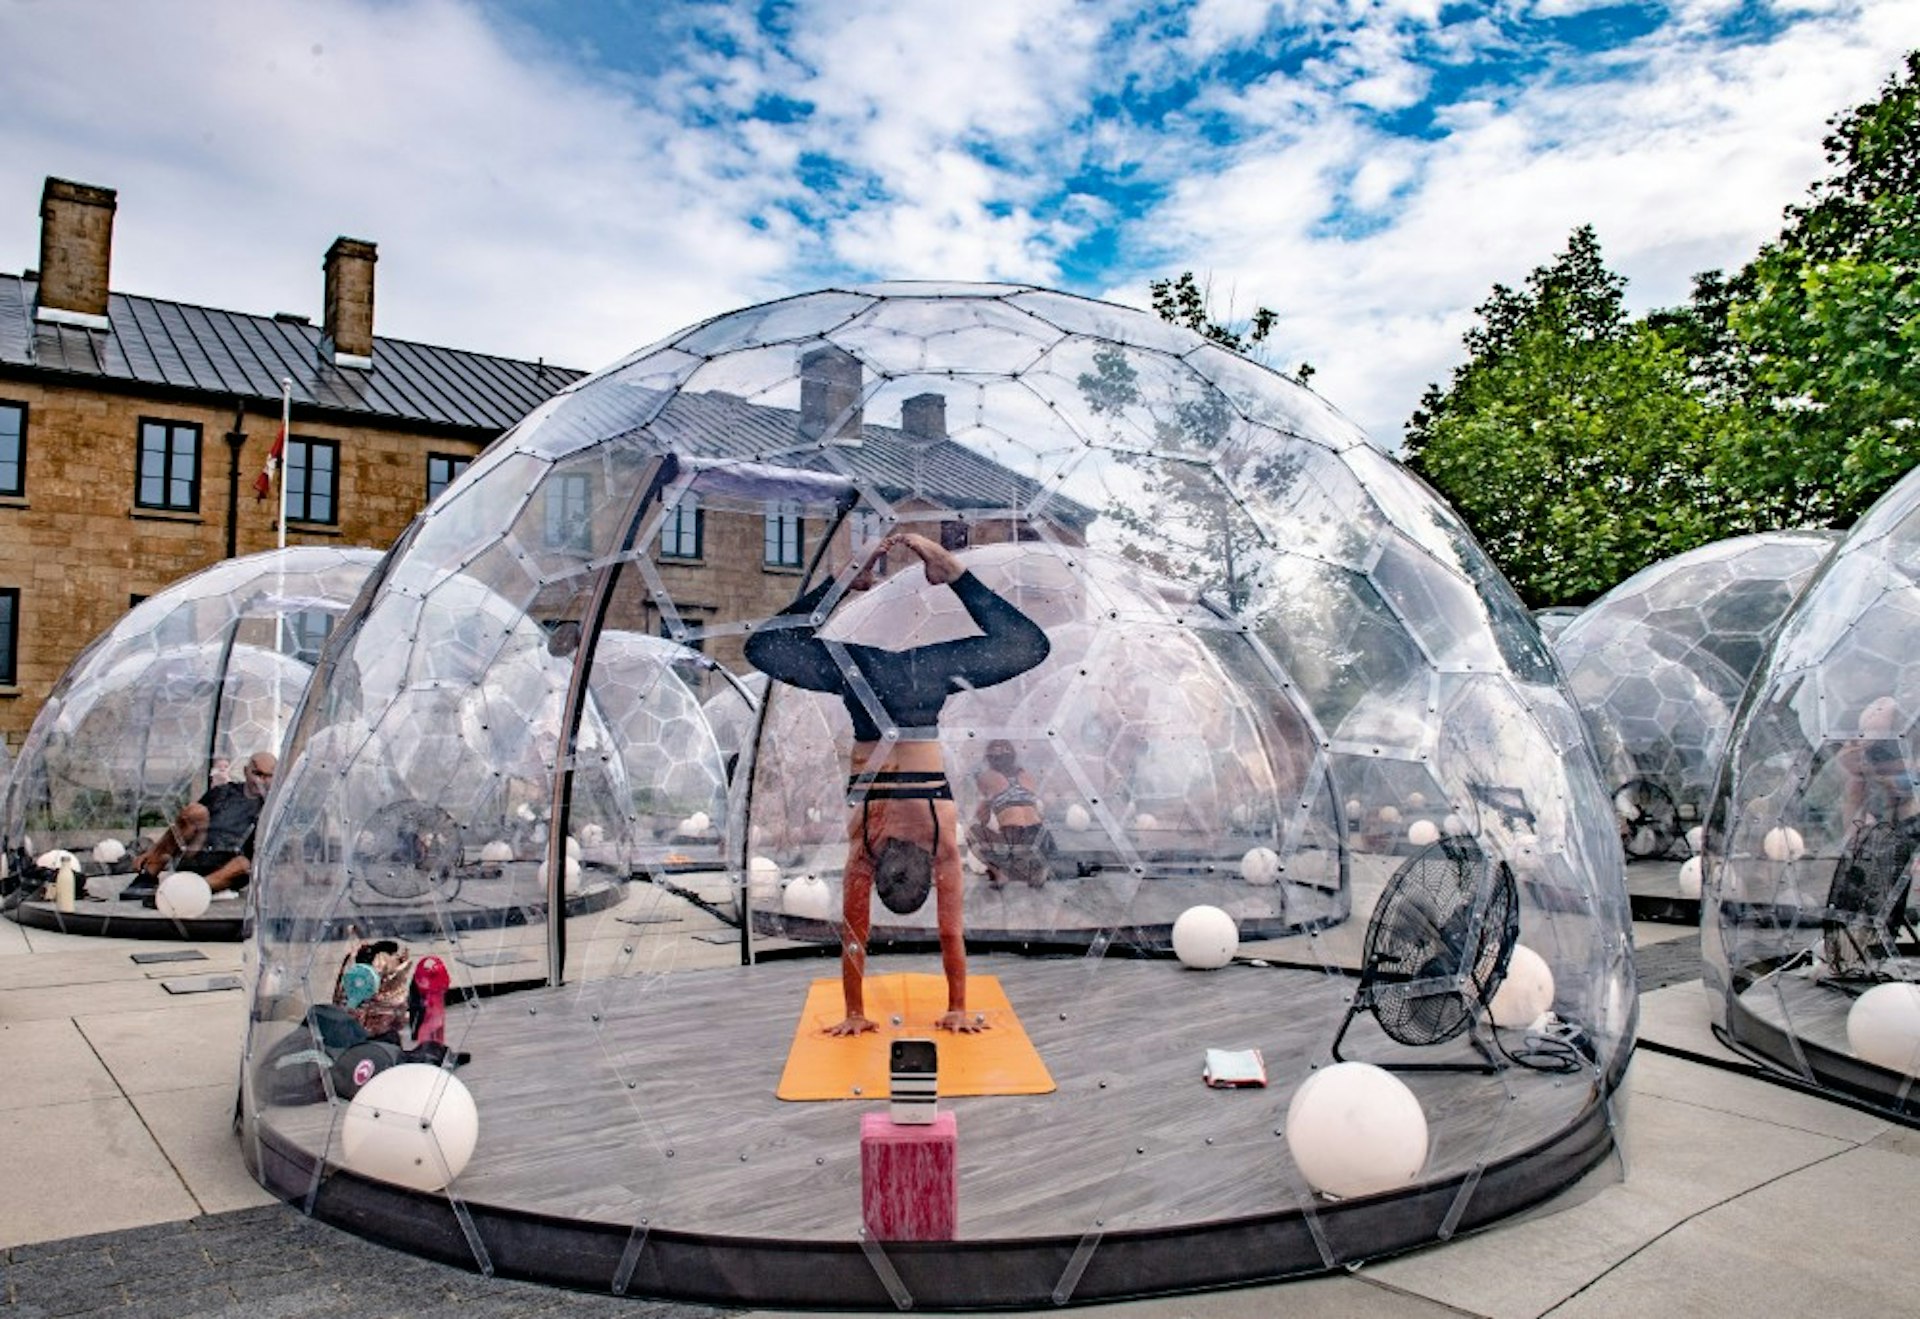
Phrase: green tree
pixel 1571 439
pixel 1181 301
pixel 1822 340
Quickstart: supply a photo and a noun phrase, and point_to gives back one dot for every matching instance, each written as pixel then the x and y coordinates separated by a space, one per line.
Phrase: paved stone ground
pixel 272 1263
pixel 268 1263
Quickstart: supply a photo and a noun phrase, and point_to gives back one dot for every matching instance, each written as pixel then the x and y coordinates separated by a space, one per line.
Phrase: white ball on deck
pixel 1422 832
pixel 1261 865
pixel 1883 1027
pixel 51 860
pixel 1145 821
pixel 569 878
pixel 1417 800
pixel 497 852
pixel 1453 826
pixel 109 851
pixel 1353 808
pixel 763 879
pixel 411 1125
pixel 809 898
pixel 1205 938
pixel 1690 877
pixel 1356 1129
pixel 592 835
pixel 1697 839
pixel 1078 818
pixel 1783 844
pixel 573 847
pixel 1388 815
pixel 183 896
pixel 1527 992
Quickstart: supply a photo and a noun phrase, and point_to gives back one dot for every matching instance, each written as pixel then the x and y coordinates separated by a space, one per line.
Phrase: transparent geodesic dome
pixel 175 696
pixel 1553 620
pixel 1248 617
pixel 1659 663
pixel 1810 844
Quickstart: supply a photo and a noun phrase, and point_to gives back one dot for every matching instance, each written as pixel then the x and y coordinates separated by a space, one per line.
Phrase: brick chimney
pixel 924 417
pixel 830 407
pixel 76 250
pixel 349 312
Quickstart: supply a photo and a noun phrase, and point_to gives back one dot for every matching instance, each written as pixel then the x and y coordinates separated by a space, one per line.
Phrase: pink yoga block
pixel 909 1182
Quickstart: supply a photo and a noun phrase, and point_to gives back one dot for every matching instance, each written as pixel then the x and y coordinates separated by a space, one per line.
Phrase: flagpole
pixel 286 430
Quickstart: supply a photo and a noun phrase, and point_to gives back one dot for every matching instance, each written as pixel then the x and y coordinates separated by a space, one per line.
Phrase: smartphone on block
pixel 915 1065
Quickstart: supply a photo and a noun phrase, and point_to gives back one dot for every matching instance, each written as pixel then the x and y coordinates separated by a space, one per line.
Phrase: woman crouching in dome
pixel 903 830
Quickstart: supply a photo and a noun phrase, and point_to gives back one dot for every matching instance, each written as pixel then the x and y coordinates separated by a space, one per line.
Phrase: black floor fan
pixel 1652 822
pixel 1866 909
pixel 1437 948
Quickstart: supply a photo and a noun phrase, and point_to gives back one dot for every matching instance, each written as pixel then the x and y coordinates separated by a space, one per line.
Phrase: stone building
pixel 116 412
pixel 132 431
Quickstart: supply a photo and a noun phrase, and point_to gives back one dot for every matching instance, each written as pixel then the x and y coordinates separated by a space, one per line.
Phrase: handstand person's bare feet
pixel 942 564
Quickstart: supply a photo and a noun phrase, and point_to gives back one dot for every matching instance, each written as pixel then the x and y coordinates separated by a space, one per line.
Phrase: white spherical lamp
pixel 1526 993
pixel 109 851
pixel 1697 839
pixel 411 1125
pixel 1353 808
pixel 1423 832
pixel 51 860
pixel 1078 818
pixel 1261 866
pixel 569 877
pixel 1417 800
pixel 1145 821
pixel 592 835
pixel 1205 938
pixel 763 879
pixel 183 896
pixel 1453 826
pixel 1883 1027
pixel 809 898
pixel 1783 844
pixel 1388 815
pixel 573 847
pixel 1690 877
pixel 497 852
pixel 1356 1129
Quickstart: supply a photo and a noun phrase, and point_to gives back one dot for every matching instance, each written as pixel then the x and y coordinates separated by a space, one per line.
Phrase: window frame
pixel 673 531
pixel 167 477
pixel 18 490
pixel 563 491
pixel 773 541
pixel 457 464
pixel 9 636
pixel 307 445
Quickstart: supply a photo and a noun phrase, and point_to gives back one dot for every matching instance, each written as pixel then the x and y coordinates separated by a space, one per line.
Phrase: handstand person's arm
pixel 793 652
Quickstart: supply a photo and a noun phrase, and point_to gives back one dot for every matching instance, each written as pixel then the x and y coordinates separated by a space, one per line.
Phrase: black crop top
pixel 910 686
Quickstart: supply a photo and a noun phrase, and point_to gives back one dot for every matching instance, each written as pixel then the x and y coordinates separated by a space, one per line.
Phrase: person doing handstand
pixel 903 834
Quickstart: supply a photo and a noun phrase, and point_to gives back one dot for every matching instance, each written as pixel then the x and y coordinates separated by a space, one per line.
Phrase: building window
pixel 13 448
pixel 683 534
pixel 569 500
pixel 313 468
pixel 169 468
pixel 305 634
pixel 9 635
pixel 864 529
pixel 955 535
pixel 688 623
pixel 442 470
pixel 785 536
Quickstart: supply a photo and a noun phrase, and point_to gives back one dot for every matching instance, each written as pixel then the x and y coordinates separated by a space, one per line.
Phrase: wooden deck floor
pixel 652 1097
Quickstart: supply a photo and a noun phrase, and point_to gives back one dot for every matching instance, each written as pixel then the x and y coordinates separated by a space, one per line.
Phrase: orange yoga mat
pixel 1000 1060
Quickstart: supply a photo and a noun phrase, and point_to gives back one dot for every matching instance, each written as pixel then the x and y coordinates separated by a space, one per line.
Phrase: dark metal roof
pixel 719 425
pixel 176 345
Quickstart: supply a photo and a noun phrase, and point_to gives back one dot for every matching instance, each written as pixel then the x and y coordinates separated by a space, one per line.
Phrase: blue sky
pixel 571 180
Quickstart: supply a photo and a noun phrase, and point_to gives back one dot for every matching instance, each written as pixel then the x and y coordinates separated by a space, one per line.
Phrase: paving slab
pixel 181 1045
pixel 1835 1238
pixel 83 1166
pixel 1684 1082
pixel 194 1129
pixel 49 1062
pixel 1681 1017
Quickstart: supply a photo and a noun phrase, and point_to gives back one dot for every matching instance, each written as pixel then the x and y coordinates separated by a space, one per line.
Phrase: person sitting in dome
pixel 1010 835
pixel 212 837
pixel 1879 784
pixel 903 832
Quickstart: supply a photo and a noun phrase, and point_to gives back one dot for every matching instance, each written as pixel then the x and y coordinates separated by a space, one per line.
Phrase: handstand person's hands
pixel 943 565
pixel 855 1024
pixel 962 1023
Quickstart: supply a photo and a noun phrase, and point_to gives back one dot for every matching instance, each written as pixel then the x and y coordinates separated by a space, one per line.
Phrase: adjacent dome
pixel 1659 663
pixel 1251 626
pixel 1810 846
